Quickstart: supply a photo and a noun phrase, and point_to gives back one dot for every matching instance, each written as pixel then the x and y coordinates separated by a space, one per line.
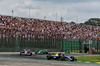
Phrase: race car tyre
pixel 46 52
pixel 72 57
pixel 35 52
pixel 43 52
pixel 49 57
pixel 30 54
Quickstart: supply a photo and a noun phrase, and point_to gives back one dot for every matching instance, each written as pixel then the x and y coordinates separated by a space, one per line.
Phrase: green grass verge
pixel 88 58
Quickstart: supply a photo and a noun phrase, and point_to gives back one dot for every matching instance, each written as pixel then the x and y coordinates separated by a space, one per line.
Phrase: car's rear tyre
pixel 46 52
pixel 35 52
pixel 72 57
pixel 49 57
pixel 30 54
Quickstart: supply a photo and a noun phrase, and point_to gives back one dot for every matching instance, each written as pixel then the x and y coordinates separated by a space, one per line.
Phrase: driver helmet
pixel 59 53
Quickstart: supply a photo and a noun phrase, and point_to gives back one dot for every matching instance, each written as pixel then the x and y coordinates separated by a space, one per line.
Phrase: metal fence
pixel 17 42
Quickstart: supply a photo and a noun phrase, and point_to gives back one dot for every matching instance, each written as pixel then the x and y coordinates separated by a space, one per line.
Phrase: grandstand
pixel 16 31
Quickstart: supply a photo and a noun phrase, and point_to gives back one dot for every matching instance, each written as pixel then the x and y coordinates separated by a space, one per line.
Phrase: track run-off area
pixel 40 60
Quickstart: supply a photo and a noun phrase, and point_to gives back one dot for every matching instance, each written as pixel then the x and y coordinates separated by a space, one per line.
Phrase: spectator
pixel 26 26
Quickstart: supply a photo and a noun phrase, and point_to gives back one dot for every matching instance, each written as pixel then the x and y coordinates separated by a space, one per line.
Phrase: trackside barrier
pixel 95 52
pixel 9 42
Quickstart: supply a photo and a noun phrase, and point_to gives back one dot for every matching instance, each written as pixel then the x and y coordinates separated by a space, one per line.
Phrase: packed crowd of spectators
pixel 38 28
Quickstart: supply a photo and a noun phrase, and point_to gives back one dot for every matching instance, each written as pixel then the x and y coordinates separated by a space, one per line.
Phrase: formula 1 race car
pixel 62 57
pixel 26 52
pixel 44 51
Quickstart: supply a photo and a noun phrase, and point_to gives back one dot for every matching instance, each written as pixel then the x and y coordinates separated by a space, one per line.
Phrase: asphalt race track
pixel 34 56
pixel 37 60
pixel 43 57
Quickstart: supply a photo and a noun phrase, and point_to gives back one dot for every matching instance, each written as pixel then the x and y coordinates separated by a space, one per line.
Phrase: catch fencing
pixel 16 42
